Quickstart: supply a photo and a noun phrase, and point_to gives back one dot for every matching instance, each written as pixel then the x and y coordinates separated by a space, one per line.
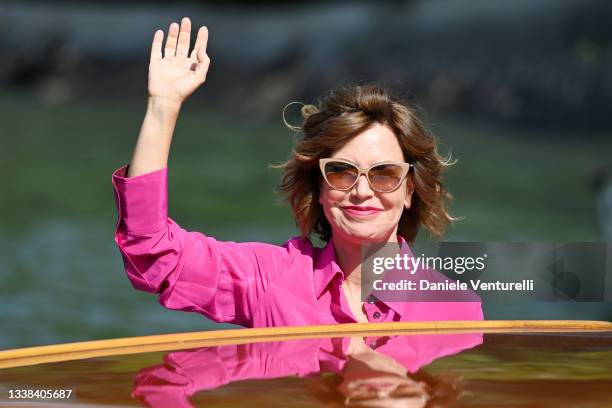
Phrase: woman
pixel 357 131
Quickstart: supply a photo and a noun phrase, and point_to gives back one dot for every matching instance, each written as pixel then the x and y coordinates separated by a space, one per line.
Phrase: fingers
pixel 173 32
pixel 201 42
pixel 156 47
pixel 184 38
pixel 177 43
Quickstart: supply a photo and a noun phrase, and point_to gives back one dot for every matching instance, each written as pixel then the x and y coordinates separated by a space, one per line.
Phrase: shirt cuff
pixel 142 201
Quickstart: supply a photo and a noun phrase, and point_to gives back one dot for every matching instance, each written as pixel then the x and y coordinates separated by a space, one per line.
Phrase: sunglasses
pixel 395 389
pixel 382 177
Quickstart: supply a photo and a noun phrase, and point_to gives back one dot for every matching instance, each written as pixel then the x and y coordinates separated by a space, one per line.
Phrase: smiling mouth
pixel 364 211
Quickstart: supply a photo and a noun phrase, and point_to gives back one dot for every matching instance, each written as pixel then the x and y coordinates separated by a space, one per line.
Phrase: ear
pixel 409 191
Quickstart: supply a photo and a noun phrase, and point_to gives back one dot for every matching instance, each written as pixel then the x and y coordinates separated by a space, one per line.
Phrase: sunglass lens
pixel 340 175
pixel 386 177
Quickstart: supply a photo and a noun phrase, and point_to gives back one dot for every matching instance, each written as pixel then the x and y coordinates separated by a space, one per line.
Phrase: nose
pixel 362 189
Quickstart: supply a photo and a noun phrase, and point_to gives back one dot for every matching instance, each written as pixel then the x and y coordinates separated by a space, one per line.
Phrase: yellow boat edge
pixel 177 341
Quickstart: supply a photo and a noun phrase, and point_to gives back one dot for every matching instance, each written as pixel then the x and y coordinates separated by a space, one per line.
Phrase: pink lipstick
pixel 360 210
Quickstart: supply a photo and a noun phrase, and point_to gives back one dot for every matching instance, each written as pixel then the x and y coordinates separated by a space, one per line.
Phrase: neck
pixel 349 258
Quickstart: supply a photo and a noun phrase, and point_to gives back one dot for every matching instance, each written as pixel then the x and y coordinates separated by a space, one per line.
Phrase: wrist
pixel 163 104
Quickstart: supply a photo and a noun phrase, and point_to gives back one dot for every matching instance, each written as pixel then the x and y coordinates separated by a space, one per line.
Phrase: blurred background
pixel 519 92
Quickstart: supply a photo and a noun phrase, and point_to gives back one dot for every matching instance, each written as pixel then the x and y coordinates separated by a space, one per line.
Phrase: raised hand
pixel 177 73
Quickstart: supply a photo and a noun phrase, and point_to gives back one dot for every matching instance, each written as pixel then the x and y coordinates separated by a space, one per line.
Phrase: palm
pixel 172 77
pixel 176 74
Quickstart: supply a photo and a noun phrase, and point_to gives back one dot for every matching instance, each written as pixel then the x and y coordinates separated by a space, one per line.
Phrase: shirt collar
pixel 326 268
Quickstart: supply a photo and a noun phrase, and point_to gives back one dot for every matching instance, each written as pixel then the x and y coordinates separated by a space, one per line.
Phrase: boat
pixel 490 363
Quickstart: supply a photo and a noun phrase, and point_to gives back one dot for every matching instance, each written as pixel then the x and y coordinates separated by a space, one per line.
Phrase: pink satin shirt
pixel 253 284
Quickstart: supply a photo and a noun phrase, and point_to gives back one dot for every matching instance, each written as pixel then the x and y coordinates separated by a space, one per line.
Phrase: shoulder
pixel 299 244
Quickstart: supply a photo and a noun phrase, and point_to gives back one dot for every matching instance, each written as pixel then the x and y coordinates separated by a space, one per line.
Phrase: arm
pixel 189 271
pixel 172 79
pixel 153 144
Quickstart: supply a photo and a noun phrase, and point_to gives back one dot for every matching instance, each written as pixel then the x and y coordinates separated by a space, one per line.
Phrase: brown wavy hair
pixel 342 114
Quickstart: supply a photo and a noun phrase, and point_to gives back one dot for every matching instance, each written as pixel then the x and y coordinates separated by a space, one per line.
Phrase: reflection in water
pixel 371 371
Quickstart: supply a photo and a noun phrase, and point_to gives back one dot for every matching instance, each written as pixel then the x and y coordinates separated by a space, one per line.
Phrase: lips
pixel 360 210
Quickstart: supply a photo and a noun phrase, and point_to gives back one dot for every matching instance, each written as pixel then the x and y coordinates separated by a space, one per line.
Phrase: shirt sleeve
pixel 189 270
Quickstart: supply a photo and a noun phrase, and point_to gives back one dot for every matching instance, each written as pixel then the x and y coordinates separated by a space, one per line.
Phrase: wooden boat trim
pixel 177 341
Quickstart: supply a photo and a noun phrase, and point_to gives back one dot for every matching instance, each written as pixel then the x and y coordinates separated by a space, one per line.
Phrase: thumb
pixel 203 63
pixel 201 54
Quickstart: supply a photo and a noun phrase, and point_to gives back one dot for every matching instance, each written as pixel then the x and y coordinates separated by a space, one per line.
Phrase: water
pixel 62 278
pixel 64 281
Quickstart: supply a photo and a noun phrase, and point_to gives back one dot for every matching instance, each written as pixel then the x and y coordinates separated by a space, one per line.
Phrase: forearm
pixel 155 137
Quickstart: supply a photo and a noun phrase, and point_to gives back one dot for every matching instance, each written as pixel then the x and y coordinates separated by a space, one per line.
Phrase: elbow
pixel 149 260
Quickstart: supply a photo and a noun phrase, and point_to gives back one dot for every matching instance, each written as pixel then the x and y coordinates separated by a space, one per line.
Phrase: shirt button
pixel 376 315
pixel 371 299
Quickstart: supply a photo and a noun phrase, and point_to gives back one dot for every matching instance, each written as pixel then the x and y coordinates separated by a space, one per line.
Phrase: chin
pixel 363 236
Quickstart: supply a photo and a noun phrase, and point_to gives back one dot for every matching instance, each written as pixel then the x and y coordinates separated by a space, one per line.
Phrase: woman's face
pixel 374 379
pixel 374 145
